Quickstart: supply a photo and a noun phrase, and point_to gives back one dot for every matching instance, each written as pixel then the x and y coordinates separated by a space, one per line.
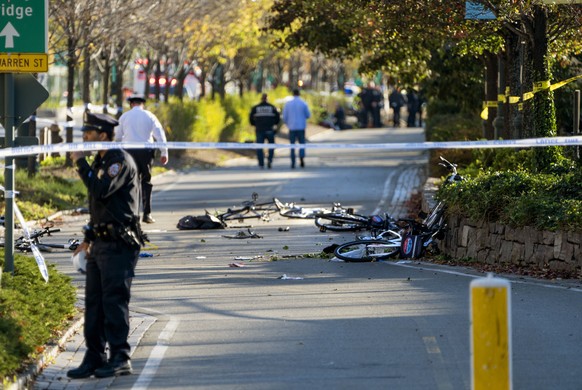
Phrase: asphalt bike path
pixel 215 313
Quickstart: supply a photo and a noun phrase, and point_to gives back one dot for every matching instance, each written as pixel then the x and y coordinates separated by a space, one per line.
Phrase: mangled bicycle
pixel 408 238
pixel 24 244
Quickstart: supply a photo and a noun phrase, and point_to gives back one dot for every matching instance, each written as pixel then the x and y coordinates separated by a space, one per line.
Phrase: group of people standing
pixel 371 102
pixel 266 118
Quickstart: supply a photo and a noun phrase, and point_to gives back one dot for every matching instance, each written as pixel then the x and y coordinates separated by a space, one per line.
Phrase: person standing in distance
pixel 141 125
pixel 265 117
pixel 112 244
pixel 295 115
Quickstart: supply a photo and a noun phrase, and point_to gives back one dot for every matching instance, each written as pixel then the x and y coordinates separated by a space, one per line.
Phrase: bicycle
pixel 422 236
pixel 379 246
pixel 23 244
pixel 292 210
pixel 406 237
pixel 248 210
pixel 343 220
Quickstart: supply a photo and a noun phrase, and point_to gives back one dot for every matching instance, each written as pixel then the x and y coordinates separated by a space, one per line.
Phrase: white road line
pixel 444 271
pixel 156 356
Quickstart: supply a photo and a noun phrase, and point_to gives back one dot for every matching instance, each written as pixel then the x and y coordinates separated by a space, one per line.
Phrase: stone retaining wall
pixel 494 243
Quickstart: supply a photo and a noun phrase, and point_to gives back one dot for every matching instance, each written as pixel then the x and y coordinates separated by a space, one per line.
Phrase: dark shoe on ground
pixel 269 165
pixel 147 218
pixel 85 370
pixel 114 368
pixel 302 162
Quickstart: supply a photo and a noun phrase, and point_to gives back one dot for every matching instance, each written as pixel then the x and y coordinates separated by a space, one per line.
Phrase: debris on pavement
pixel 242 235
pixel 330 249
pixel 284 229
pixel 145 254
pixel 237 265
pixel 248 257
pixel 285 277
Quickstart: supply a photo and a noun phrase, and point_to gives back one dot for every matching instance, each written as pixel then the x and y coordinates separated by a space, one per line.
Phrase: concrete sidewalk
pixel 72 350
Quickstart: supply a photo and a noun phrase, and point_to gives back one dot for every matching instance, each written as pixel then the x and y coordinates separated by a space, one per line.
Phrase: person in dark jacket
pixel 112 243
pixel 265 117
pixel 397 101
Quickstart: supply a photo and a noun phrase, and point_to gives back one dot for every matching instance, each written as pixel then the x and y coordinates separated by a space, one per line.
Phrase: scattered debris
pixel 285 277
pixel 284 229
pixel 237 265
pixel 243 235
pixel 330 249
pixel 248 257
pixel 200 257
pixel 145 254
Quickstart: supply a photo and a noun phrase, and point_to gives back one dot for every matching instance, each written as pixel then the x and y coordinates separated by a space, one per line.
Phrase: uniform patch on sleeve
pixel 114 169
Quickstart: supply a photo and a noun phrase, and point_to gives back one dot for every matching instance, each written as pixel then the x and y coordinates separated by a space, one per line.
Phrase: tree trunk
pixel 106 74
pixel 86 78
pixel 119 94
pixel 514 81
pixel 158 73
pixel 180 78
pixel 202 81
pixel 543 102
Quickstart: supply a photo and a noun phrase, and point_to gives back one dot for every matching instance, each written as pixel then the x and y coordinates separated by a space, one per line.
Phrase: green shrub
pixel 209 122
pixel 519 198
pixel 31 311
pixel 177 118
pixel 63 193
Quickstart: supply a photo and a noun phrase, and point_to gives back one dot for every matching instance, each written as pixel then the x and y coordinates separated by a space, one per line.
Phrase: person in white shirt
pixel 140 125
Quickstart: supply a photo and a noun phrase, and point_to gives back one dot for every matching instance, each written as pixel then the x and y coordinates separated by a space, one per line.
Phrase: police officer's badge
pixel 114 169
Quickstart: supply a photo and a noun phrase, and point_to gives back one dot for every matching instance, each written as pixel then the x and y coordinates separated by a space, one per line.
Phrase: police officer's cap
pixel 136 97
pixel 99 122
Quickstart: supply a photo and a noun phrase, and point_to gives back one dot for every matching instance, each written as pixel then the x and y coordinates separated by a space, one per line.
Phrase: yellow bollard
pixel 491 334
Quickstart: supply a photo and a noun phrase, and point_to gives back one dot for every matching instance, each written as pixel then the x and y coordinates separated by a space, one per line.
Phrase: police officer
pixel 141 125
pixel 265 117
pixel 112 242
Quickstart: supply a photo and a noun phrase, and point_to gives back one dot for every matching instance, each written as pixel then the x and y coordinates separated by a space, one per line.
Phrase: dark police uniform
pixel 114 233
pixel 265 117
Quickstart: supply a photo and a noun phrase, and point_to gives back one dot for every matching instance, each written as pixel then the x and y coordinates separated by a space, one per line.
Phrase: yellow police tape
pixel 537 87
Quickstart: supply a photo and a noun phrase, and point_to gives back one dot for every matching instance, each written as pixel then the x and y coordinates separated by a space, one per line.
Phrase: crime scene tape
pixel 91 146
pixel 538 86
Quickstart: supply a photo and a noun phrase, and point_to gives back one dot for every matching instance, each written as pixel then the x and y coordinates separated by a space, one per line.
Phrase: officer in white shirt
pixel 140 125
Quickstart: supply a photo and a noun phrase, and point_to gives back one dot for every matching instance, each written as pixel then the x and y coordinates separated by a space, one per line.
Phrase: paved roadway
pixel 199 323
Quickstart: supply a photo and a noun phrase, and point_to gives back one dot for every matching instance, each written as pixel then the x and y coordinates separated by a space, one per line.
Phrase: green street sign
pixel 23 26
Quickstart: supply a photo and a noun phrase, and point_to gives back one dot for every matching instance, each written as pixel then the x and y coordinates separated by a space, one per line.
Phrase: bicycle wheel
pixel 341 222
pixel 367 250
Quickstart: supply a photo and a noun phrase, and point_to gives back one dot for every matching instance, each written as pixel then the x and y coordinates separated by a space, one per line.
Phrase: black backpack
pixel 207 221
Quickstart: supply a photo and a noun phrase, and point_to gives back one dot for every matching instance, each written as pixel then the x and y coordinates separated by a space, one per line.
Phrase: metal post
pixel 9 172
pixel 490 307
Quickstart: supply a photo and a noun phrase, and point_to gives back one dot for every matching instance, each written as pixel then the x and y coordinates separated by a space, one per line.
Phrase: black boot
pixel 85 370
pixel 115 367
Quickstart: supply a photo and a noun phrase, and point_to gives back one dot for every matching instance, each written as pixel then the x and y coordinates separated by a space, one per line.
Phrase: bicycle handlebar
pixel 44 231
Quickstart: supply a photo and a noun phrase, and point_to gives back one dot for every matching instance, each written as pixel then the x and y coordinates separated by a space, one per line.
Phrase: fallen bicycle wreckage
pixel 387 237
